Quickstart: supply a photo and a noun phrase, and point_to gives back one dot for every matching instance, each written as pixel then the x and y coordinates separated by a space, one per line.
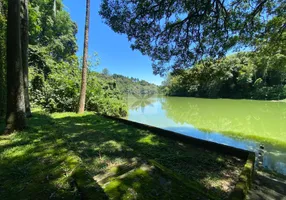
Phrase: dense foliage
pixel 130 85
pixel 55 75
pixel 52 30
pixel 177 33
pixel 60 91
pixel 243 75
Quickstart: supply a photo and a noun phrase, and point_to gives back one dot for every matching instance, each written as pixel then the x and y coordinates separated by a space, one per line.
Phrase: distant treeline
pixel 129 85
pixel 252 75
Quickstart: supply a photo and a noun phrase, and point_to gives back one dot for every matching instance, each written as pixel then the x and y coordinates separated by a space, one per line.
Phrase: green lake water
pixel 245 124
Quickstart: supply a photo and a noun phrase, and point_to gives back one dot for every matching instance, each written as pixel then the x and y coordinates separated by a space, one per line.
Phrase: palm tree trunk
pixel 25 42
pixel 15 117
pixel 55 8
pixel 85 55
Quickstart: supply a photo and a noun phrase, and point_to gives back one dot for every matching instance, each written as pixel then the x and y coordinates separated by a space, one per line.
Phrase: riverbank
pixel 283 101
pixel 65 155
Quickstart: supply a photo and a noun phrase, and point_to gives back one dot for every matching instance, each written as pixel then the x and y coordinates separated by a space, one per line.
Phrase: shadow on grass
pixel 68 156
pixel 37 163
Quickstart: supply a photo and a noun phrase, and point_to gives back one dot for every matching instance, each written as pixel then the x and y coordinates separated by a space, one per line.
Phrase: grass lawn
pixel 70 156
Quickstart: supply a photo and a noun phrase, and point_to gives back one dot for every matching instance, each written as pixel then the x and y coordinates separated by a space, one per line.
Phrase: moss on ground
pixel 70 156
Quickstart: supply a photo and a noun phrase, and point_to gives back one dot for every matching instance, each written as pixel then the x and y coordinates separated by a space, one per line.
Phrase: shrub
pixel 59 92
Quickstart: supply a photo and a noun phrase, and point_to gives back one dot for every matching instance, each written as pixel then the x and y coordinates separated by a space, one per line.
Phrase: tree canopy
pixel 178 33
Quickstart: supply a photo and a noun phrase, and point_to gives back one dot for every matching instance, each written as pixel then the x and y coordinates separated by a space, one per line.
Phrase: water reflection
pixel 187 116
pixel 136 101
pixel 235 116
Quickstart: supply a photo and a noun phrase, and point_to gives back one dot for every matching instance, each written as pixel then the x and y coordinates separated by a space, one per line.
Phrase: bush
pixel 270 93
pixel 59 92
pixel 108 106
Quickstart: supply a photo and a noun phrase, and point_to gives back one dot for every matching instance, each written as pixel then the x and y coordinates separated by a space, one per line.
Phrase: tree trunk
pixel 25 42
pixel 55 8
pixel 85 55
pixel 15 117
pixel 3 98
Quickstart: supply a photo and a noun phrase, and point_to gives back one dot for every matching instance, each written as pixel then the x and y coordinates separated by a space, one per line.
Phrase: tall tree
pixel 105 72
pixel 25 42
pixel 178 33
pixel 3 29
pixel 15 117
pixel 85 56
pixel 55 8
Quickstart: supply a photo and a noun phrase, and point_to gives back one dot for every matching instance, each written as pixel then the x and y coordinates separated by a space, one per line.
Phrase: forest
pixel 55 69
pixel 257 72
pixel 129 85
pixel 247 75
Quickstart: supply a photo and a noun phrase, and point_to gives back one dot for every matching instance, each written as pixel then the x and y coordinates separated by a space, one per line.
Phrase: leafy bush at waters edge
pixel 242 75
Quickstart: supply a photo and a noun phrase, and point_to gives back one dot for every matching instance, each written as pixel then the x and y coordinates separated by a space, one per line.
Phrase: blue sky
pixel 113 49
